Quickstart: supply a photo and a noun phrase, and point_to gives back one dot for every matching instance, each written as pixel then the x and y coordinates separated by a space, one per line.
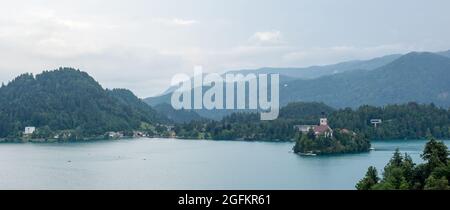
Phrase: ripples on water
pixel 183 164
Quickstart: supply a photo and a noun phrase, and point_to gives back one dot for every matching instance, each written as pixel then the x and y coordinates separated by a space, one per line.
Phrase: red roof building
pixel 322 129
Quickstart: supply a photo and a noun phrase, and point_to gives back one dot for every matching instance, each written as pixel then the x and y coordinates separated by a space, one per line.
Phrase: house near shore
pixel 323 129
pixel 29 130
pixel 114 135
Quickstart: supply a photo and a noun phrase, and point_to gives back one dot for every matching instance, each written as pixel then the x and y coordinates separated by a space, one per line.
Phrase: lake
pixel 186 164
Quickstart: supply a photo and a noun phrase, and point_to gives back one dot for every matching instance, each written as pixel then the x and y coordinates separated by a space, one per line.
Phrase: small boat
pixel 372 149
pixel 307 154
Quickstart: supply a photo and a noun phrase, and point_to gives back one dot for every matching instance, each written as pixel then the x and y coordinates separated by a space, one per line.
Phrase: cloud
pixel 267 37
pixel 141 45
pixel 128 53
pixel 44 32
pixel 183 22
pixel 38 39
pixel 175 21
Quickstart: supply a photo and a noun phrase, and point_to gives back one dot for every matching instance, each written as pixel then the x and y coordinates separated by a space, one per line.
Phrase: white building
pixel 29 130
pixel 112 134
pixel 323 121
pixel 322 129
pixel 304 128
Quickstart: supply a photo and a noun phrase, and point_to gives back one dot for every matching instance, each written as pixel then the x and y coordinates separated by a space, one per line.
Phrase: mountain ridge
pixel 417 76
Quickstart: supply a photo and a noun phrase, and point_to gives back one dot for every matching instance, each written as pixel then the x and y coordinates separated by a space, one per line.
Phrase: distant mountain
pixel 319 71
pixel 418 77
pixel 165 98
pixel 162 98
pixel 69 99
pixel 161 103
pixel 177 116
pixel 445 53
pixel 286 75
pixel 312 72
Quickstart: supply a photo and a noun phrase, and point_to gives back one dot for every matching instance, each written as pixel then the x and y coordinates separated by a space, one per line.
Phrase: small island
pixel 321 140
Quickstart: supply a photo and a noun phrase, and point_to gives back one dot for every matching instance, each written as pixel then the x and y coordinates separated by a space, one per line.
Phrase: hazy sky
pixel 141 44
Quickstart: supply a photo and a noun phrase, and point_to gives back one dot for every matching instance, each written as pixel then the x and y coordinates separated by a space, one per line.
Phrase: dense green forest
pixel 69 100
pixel 340 142
pixel 248 126
pixel 177 116
pixel 406 121
pixel 401 173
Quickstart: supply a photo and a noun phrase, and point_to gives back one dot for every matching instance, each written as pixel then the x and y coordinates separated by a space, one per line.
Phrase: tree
pixel 436 153
pixel 396 159
pixel 395 178
pixel 370 180
pixel 408 169
pixel 433 183
pixel 401 173
pixel 44 132
pixel 339 143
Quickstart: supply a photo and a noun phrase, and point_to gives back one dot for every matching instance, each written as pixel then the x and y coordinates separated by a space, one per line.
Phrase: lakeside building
pixel 114 135
pixel 322 129
pixel 29 130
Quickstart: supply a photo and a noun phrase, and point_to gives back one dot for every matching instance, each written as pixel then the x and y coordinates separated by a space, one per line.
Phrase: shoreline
pixel 98 139
pixel 93 139
pixel 57 141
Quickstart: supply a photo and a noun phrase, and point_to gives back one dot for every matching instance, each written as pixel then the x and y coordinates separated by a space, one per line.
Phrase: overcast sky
pixel 141 44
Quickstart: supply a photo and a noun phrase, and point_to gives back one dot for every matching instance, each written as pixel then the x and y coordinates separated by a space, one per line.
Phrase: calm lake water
pixel 182 164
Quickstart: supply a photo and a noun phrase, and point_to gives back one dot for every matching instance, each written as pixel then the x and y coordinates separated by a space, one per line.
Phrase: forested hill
pixel 69 99
pixel 137 107
pixel 406 121
pixel 178 116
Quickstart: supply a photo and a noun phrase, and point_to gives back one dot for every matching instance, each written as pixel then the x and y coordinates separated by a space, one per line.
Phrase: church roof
pixel 322 129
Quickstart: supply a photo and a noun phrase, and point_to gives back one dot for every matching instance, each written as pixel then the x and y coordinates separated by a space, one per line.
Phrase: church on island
pixel 323 129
